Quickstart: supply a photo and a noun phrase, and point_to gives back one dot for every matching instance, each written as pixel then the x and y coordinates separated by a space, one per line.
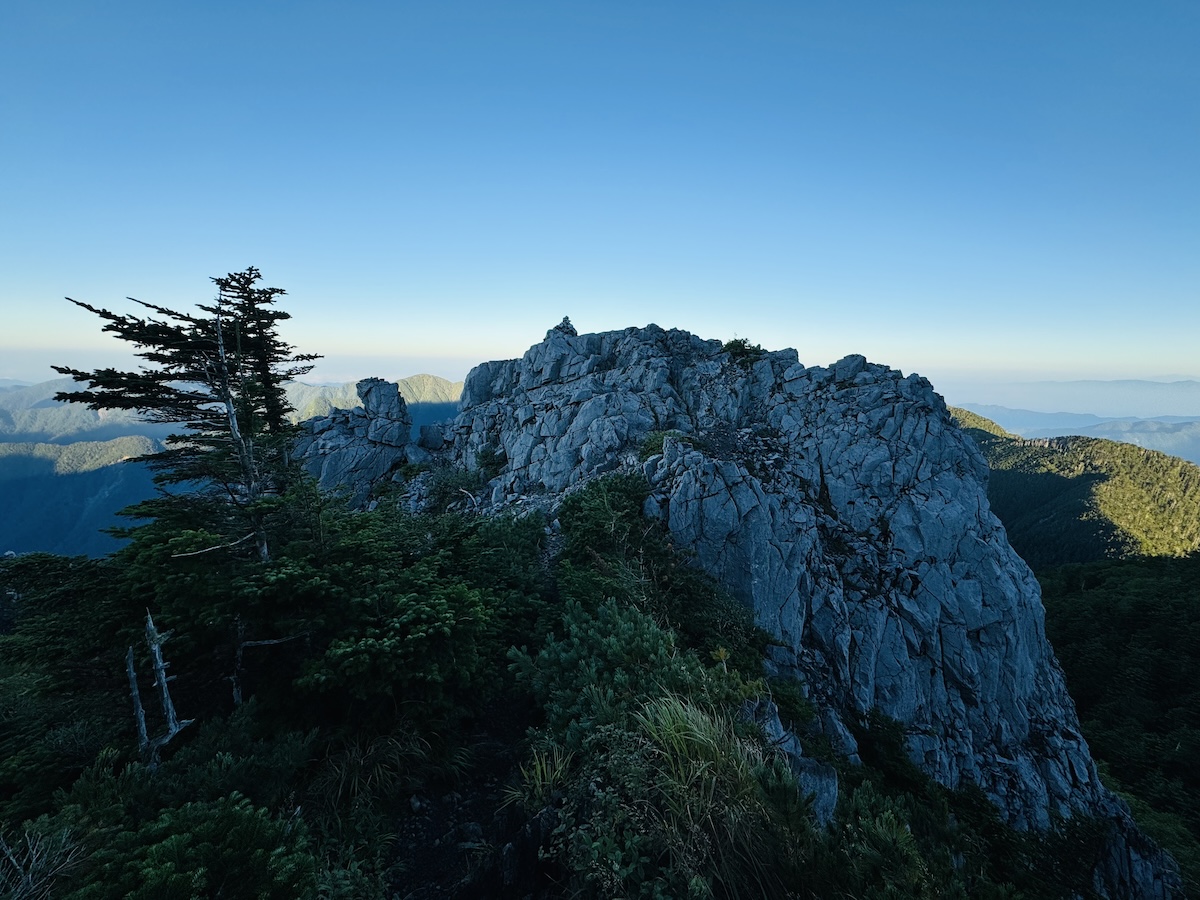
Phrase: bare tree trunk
pixel 236 678
pixel 149 747
pixel 139 712
pixel 244 446
pixel 155 641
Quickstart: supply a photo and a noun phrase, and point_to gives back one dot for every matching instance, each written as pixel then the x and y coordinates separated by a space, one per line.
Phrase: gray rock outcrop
pixel 848 512
pixel 357 449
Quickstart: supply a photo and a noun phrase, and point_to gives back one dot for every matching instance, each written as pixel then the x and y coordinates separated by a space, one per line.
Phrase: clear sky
pixel 963 189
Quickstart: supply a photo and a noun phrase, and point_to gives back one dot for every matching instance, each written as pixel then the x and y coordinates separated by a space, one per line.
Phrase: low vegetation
pixel 389 704
pixel 392 699
pixel 744 353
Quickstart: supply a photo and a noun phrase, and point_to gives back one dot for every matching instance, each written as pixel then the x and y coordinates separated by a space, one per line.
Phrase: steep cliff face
pixel 847 511
pixel 840 505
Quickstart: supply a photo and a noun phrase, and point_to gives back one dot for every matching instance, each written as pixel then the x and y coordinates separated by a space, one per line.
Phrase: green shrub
pixel 611 550
pixel 604 518
pixel 795 710
pixel 602 667
pixel 743 352
pixel 452 485
pixel 221 848
pixel 243 753
pixel 415 640
pixel 490 461
pixel 878 854
pixel 652 443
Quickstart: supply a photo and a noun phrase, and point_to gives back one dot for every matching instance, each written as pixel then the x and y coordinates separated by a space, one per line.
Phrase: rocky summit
pixel 840 504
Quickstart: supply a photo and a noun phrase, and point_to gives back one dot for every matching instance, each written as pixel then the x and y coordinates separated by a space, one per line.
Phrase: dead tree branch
pixel 241 540
pixel 150 747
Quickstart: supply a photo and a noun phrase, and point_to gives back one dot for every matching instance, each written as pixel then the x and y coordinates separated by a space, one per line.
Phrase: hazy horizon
pixel 961 190
pixel 1141 397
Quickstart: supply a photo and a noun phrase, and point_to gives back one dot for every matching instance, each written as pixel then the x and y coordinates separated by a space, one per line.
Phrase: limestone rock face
pixel 844 508
pixel 848 512
pixel 355 450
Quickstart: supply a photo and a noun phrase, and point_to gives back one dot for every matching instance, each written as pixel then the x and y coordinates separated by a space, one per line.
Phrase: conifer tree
pixel 220 376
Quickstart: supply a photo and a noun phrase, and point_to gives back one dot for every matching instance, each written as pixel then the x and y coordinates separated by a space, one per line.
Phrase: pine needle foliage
pixel 219 375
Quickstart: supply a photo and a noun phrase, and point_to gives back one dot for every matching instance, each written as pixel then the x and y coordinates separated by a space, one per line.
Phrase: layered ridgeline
pixel 30 414
pixel 1081 499
pixel 1175 435
pixel 64 471
pixel 841 505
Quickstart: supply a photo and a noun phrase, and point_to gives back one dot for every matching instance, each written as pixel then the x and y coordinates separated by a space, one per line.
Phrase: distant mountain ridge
pixel 1081 499
pixel 313 400
pixel 30 414
pixel 1121 398
pixel 1180 439
pixel 1175 435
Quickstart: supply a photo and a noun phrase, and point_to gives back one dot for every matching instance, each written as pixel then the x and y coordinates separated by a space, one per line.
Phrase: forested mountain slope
pixel 1079 499
pixel 1127 633
pixel 57 497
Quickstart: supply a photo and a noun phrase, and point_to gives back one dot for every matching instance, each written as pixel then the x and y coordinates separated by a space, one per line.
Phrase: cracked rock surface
pixel 844 508
pixel 354 450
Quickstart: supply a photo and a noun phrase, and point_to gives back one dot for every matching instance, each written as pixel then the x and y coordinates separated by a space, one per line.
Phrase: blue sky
pixel 968 190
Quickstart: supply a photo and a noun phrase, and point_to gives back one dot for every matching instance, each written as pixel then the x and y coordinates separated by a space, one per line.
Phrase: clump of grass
pixel 543 779
pixel 652 443
pixel 713 792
